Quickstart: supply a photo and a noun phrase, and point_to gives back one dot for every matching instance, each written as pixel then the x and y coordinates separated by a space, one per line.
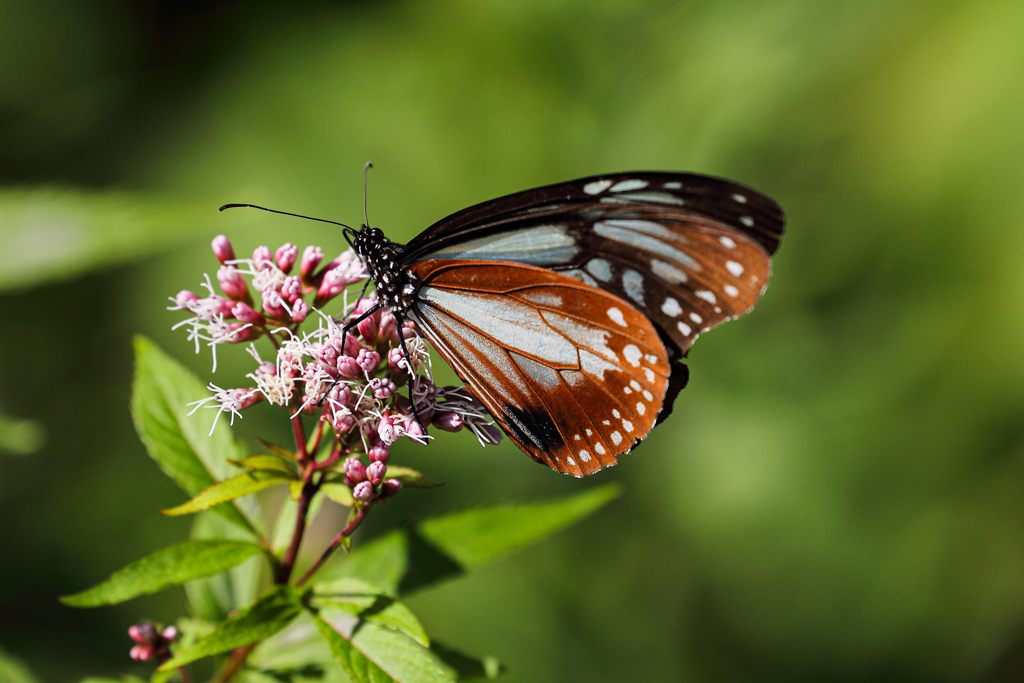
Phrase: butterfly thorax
pixel 380 256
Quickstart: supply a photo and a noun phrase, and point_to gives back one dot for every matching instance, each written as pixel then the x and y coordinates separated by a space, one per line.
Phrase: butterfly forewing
pixel 690 252
pixel 575 375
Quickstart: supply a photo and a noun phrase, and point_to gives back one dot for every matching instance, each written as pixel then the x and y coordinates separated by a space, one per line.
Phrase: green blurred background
pixel 840 493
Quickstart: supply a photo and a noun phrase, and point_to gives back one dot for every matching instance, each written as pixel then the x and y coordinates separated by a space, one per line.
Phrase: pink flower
pixel 311 258
pixel 390 488
pixel 261 258
pixel 300 309
pixel 375 472
pixel 368 360
pixel 222 249
pixel 273 305
pixel 381 387
pixel 246 314
pixel 363 491
pixel 291 290
pixel 232 283
pixel 380 452
pixel 449 422
pixel 285 256
pixel 354 469
pixel 184 298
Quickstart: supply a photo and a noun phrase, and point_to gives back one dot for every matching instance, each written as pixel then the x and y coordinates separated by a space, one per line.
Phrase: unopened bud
pixel 391 487
pixel 286 255
pixel 273 306
pixel 375 472
pixel 291 289
pixel 382 388
pixel 185 297
pixel 354 469
pixel 246 314
pixel 363 491
pixel 170 633
pixel 380 452
pixel 141 653
pixel 232 283
pixel 368 360
pixel 311 258
pixel 449 422
pixel 300 309
pixel 261 257
pixel 222 249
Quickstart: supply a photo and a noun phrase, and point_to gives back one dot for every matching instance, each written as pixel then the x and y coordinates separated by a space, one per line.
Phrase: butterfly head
pixel 380 256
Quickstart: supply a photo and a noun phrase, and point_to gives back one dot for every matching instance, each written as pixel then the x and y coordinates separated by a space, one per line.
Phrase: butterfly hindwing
pixel 575 375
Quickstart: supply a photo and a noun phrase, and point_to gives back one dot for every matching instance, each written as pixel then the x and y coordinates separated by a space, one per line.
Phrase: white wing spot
pixel 718 309
pixel 684 328
pixel 627 185
pixel 671 307
pixel 734 268
pixel 651 358
pixel 727 241
pixel 600 449
pixel 606 423
pixel 571 462
pixel 739 198
pixel 584 456
pixel 617 317
pixel 649 374
pixel 627 390
pixel 578 437
pixel 731 291
pixel 590 433
pixel 617 438
pixel 600 269
pixel 666 271
pixel 636 385
pixel 616 413
pixel 641 408
pixel 747 221
pixel 707 296
pixel 628 426
pixel 648 395
pixel 597 187
pixel 632 354
pixel 696 318
pixel 633 283
pixel 672 186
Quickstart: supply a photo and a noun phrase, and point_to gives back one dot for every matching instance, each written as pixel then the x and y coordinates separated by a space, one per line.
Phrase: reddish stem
pixel 301 453
pixel 283 571
pixel 334 457
pixel 234 665
pixel 349 528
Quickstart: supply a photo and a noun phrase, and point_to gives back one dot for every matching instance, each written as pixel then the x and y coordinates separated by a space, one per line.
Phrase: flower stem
pixel 301 453
pixel 347 531
pixel 234 664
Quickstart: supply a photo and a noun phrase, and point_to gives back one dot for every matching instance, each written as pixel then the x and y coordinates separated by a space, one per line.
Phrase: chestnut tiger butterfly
pixel 566 308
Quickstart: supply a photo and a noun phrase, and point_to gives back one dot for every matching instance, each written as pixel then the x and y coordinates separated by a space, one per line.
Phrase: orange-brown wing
pixel 574 375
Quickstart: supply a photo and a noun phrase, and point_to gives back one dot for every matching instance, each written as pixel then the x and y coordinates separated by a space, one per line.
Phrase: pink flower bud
pixel 390 488
pixel 412 427
pixel 375 472
pixel 222 249
pixel 352 345
pixel 340 396
pixel 333 284
pixel 380 452
pixel 300 309
pixel 382 388
pixel 286 255
pixel 261 257
pixel 348 368
pixel 238 333
pixel 396 361
pixel 141 653
pixel 341 421
pixel 388 429
pixel 369 327
pixel 388 327
pixel 291 289
pixel 184 298
pixel 368 360
pixel 232 283
pixel 136 634
pixel 273 305
pixel 354 469
pixel 363 491
pixel 246 314
pixel 170 633
pixel 311 258
pixel 449 422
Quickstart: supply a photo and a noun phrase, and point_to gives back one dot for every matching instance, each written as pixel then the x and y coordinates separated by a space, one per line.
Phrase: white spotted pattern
pixel 597 187
pixel 627 185
pixel 649 374
pixel 571 462
pixel 727 241
pixel 671 308
pixel 600 269
pixel 584 456
pixel 696 318
pixel 599 448
pixel 616 438
pixel 747 221
pixel 684 328
pixel 648 395
pixel 632 354
pixel 628 426
pixel 672 186
pixel 735 268
pixel 633 283
pixel 739 198
pixel 668 272
pixel 641 408
pixel 706 296
pixel 617 317
pixel 731 291
pixel 636 385
pixel 616 413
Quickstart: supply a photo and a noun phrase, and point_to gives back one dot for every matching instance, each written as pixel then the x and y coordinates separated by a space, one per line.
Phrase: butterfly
pixel 566 309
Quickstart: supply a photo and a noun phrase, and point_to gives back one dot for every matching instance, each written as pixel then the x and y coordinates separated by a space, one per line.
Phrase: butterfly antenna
pixel 283 213
pixel 369 165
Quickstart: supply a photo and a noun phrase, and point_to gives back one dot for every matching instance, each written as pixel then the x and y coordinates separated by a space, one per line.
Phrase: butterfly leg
pixel 344 333
pixel 400 321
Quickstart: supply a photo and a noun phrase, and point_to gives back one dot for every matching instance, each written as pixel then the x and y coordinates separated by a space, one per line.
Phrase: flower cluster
pixel 152 644
pixel 349 379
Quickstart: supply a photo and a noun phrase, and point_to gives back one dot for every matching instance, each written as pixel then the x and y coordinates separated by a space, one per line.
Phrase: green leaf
pixel 411 478
pixel 237 486
pixel 214 597
pixel 181 445
pixel 277 450
pixel 165 568
pixel 264 462
pixel 339 493
pixel 444 547
pixel 475 537
pixel 363 600
pixel 264 618
pixel 373 654
pixel 59 233
pixel 111 679
pixel 20 437
pixel 13 671
pixel 468 667
pixel 295 488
